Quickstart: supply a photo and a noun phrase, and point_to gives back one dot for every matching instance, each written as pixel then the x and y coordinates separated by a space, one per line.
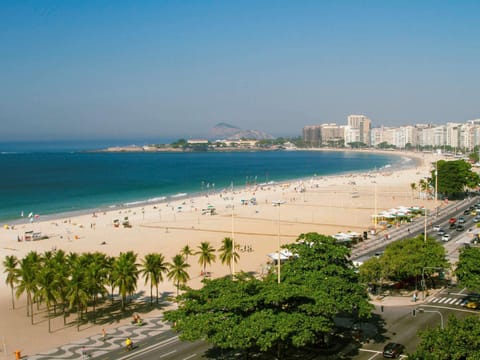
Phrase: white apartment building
pixel 457 135
pixel 363 124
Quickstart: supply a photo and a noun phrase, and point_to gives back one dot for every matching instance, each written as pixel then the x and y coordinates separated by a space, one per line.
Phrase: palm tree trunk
pixel 151 293
pixel 157 293
pixel 48 315
pixel 79 315
pixel 94 313
pixel 13 299
pixel 31 310
pixel 28 303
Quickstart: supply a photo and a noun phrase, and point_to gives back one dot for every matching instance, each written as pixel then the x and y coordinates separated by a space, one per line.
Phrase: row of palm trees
pixel 73 282
pixel 423 186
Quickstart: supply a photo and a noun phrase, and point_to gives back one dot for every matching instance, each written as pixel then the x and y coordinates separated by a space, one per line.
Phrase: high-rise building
pixel 312 135
pixel 363 124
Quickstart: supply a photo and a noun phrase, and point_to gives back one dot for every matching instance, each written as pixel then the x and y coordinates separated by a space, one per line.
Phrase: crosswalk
pixel 446 300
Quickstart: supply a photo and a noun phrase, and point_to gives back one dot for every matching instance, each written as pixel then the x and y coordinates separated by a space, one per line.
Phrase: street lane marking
pixel 169 353
pixel 189 357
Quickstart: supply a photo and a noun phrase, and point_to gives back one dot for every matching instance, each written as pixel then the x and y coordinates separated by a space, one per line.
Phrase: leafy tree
pixel 10 268
pixel 247 313
pixel 180 143
pixel 468 269
pixel 458 341
pixel 372 271
pixel 206 254
pixel 454 177
pixel 357 145
pixel 408 258
pixel 125 274
pixel 178 271
pixel 228 253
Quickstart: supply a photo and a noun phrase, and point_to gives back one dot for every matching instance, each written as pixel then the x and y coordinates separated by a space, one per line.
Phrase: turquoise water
pixel 50 182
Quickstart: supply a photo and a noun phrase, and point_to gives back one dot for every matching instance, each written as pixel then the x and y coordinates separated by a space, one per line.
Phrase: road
pixel 165 346
pixel 399 323
pixel 402 327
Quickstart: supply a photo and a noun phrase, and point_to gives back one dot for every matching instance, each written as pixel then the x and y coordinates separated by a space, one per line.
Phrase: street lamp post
pixel 433 311
pixel 375 208
pixel 278 203
pixel 425 225
pixel 233 236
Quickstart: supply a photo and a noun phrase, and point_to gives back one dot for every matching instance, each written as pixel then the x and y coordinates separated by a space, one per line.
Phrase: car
pixel 476 218
pixel 470 298
pixel 473 304
pixel 460 227
pixel 393 350
pixel 436 227
pixel 452 220
pixel 441 232
pixel 461 220
pixel 473 212
pixel 466 212
pixel 446 237
pixel 453 225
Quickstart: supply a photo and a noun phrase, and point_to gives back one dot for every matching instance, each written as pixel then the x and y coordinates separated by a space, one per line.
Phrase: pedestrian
pixel 104 334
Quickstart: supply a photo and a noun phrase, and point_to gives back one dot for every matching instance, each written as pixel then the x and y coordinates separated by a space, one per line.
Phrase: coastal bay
pixel 327 204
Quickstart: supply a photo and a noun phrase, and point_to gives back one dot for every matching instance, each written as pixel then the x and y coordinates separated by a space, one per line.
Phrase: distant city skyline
pixel 157 69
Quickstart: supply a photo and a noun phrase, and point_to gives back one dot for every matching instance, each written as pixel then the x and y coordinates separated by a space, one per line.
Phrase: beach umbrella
pixel 30 215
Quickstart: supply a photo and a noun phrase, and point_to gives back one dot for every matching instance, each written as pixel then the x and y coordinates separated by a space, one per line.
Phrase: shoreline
pixel 166 198
pixel 327 206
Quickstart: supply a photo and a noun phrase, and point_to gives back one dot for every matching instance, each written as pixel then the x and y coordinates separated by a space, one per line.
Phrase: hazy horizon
pixel 169 70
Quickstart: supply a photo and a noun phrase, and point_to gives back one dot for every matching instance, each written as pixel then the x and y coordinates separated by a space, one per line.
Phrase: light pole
pixel 436 183
pixel 233 235
pixel 433 311
pixel 425 226
pixel 277 203
pixel 375 206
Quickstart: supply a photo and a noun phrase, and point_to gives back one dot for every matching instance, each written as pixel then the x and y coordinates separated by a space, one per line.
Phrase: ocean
pixel 53 179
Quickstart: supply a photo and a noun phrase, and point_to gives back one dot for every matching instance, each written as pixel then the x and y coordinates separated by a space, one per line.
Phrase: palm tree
pixel 186 252
pixel 62 276
pixel 47 287
pixel 125 274
pixel 423 185
pixel 228 253
pixel 413 186
pixel 153 268
pixel 96 278
pixel 178 272
pixel 27 282
pixel 77 294
pixel 207 255
pixel 10 268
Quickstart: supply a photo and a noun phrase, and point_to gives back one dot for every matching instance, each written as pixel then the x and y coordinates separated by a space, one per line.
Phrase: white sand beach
pixel 328 205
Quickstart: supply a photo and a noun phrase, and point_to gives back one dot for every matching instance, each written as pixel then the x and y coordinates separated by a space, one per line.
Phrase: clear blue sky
pixel 133 69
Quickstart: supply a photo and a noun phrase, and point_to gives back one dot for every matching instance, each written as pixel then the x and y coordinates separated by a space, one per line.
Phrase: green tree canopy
pixel 318 283
pixel 458 341
pixel 454 177
pixel 405 260
pixel 468 268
